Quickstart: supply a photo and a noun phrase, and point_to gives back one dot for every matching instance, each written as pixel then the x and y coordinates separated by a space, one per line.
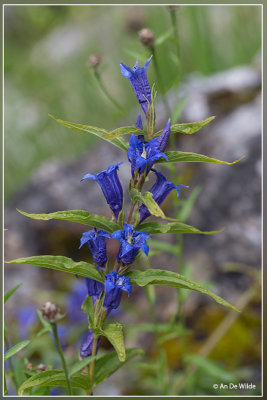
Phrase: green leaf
pixel 169 278
pixel 61 263
pixel 125 130
pixel 154 228
pixel 147 200
pixel 53 378
pixel 188 128
pixel 46 325
pixel 165 36
pixel 11 291
pixel 181 156
pixel 15 349
pixel 79 216
pixel 80 365
pixel 88 309
pixel 114 333
pixel 108 364
pixel 119 142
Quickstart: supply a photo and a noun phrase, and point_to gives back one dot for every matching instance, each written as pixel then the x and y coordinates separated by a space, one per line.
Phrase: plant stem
pixel 61 354
pixel 10 362
pixel 131 213
pixel 92 365
pixel 155 62
pixel 105 91
pixel 177 42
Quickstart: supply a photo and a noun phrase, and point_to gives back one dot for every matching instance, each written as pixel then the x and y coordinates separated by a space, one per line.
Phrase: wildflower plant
pixel 107 282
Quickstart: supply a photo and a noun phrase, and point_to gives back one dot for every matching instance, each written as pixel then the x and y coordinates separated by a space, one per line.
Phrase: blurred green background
pixel 46 49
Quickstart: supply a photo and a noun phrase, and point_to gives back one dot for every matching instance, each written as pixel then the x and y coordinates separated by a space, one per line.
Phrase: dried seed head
pixel 135 22
pixel 41 368
pixel 50 311
pixel 29 366
pixel 94 60
pixel 147 37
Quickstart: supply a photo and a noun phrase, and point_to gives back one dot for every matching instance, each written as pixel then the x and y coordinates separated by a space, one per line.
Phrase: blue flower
pixel 164 137
pixel 138 79
pixel 111 187
pixel 160 191
pixel 97 244
pixel 131 242
pixel 114 285
pixel 143 155
pixel 87 344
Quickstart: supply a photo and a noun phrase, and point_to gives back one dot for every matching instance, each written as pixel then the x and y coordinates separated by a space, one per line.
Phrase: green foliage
pixel 108 364
pixel 181 156
pixel 169 278
pixel 79 216
pixel 114 333
pixel 188 128
pixel 147 200
pixel 46 325
pixel 88 309
pixel 118 142
pixel 80 365
pixel 124 130
pixel 15 349
pixel 64 264
pixel 10 292
pixel 53 378
pixel 154 228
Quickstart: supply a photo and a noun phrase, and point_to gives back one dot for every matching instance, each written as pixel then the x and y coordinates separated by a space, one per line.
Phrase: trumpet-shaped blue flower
pixel 87 344
pixel 97 244
pixel 131 242
pixel 160 191
pixel 142 155
pixel 164 137
pixel 111 187
pixel 115 284
pixel 138 79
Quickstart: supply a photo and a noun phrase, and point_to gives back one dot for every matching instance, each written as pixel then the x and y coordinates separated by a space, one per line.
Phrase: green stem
pixel 177 42
pixel 155 62
pixel 61 354
pixel 92 365
pixel 105 91
pixel 10 363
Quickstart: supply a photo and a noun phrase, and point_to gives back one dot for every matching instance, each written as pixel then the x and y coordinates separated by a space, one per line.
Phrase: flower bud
pixel 94 60
pixel 50 311
pixel 29 366
pixel 147 37
pixel 41 368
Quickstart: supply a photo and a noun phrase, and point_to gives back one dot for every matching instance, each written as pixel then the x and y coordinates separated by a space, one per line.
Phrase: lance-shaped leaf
pixel 181 156
pixel 154 228
pixel 79 216
pixel 149 202
pixel 88 309
pixel 188 128
pixel 80 365
pixel 64 264
pixel 11 291
pixel 15 349
pixel 54 378
pixel 114 333
pixel 124 130
pixel 108 364
pixel 118 142
pixel 169 278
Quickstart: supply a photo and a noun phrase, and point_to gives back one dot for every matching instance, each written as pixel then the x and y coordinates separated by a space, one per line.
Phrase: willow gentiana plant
pixel 107 281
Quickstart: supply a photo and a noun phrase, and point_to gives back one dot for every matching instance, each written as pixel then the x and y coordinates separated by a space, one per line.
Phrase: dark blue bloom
pixel 114 285
pixel 87 344
pixel 131 242
pixel 97 244
pixel 160 191
pixel 138 79
pixel 94 288
pixel 164 137
pixel 111 187
pixel 143 155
